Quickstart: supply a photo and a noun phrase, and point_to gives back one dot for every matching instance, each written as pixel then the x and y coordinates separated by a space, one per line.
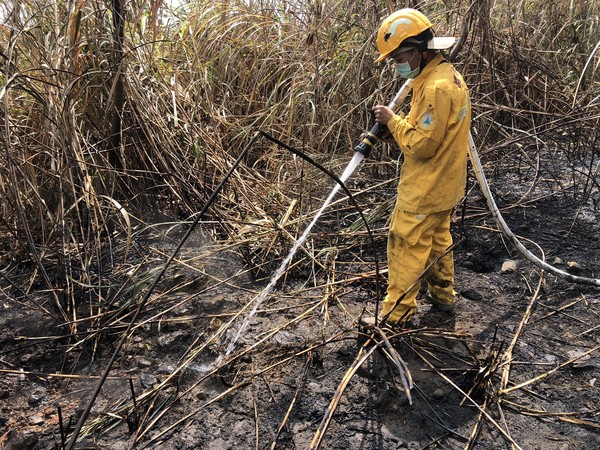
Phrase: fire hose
pixel 485 189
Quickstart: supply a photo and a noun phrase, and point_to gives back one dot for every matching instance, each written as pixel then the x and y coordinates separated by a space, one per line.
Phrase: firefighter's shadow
pixel 442 369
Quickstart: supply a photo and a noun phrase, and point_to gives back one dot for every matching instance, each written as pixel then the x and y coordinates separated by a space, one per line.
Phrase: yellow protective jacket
pixel 434 139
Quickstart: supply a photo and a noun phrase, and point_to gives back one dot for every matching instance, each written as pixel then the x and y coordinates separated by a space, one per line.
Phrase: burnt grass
pixel 278 383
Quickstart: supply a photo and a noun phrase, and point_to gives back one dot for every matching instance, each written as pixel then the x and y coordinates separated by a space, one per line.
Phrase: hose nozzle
pixel 377 131
pixel 370 139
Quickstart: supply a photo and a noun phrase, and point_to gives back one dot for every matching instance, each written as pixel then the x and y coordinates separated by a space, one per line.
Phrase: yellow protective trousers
pixel 414 241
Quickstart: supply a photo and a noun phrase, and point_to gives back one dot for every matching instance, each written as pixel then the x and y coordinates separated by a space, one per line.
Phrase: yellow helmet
pixel 397 27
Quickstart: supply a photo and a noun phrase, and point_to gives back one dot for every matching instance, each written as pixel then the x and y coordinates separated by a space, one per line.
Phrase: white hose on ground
pixel 485 189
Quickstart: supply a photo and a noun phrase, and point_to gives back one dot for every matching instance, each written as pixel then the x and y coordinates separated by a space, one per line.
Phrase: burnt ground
pixel 289 361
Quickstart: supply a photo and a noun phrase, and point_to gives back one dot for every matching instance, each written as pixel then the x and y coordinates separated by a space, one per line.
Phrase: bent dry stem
pixel 73 439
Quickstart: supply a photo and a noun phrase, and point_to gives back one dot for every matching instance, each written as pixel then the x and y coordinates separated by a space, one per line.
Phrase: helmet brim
pixel 441 43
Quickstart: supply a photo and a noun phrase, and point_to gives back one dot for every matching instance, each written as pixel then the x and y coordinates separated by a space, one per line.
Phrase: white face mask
pixel 404 69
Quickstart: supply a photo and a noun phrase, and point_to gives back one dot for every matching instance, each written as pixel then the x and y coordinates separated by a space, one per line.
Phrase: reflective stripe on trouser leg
pixel 410 244
pixel 440 277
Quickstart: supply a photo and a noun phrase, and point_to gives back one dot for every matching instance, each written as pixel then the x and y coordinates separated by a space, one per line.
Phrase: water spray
pixel 360 152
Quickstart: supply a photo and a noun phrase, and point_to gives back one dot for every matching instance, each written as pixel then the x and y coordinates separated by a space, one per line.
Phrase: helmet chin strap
pixel 424 58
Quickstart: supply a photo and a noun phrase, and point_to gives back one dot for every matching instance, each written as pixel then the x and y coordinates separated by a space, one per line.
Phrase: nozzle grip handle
pixel 377 131
pixel 370 139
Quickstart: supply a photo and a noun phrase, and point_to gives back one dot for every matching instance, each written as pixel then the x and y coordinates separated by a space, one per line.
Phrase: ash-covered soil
pixel 531 384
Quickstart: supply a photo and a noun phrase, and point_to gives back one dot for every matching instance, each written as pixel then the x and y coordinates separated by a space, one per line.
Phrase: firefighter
pixel 433 138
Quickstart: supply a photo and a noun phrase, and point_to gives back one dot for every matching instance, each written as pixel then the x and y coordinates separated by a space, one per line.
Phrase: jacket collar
pixel 427 70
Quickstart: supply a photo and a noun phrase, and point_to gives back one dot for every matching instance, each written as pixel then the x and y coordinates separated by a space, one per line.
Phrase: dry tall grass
pixel 108 124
